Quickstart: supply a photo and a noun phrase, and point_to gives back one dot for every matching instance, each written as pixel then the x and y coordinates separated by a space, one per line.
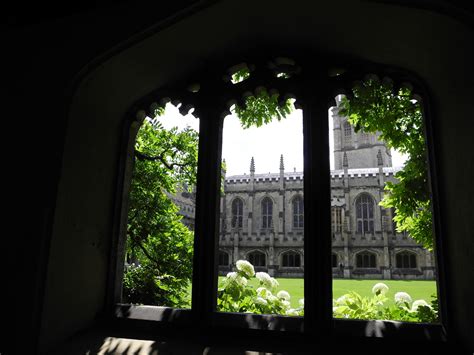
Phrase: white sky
pixel 265 143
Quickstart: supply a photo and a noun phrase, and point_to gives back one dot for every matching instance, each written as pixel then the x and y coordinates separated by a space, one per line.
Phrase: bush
pixel 236 295
pixel 142 285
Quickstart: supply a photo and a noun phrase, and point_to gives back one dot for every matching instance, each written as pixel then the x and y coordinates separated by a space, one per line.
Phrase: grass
pixel 416 289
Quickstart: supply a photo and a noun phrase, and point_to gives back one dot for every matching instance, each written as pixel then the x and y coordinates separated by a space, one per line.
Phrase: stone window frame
pixel 291 252
pixel 363 220
pixel 368 259
pixel 336 219
pixel 237 217
pixel 251 255
pixel 298 216
pixel 412 256
pixel 223 252
pixel 266 219
pixel 347 133
pixel 315 93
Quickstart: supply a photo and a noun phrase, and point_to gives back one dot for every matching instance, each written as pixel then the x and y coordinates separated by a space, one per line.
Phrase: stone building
pixel 262 217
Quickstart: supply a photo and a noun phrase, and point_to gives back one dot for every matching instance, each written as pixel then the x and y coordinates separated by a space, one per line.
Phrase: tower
pixel 361 149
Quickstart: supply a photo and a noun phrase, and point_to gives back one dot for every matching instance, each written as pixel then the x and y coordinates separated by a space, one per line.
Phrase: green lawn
pixel 416 289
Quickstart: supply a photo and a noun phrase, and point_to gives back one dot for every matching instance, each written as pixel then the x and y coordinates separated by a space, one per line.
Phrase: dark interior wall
pixel 75 258
pixel 45 52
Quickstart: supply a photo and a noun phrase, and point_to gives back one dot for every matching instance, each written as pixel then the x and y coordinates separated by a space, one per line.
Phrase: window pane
pixel 159 241
pixel 370 249
pixel 264 170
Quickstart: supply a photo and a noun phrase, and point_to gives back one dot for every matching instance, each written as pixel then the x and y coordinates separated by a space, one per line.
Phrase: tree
pixel 157 241
pixel 377 107
pixel 260 109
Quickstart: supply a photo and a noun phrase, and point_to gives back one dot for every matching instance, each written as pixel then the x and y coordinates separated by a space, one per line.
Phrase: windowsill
pixel 236 322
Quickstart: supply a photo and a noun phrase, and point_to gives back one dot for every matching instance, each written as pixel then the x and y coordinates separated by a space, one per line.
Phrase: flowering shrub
pixel 236 294
pixel 353 305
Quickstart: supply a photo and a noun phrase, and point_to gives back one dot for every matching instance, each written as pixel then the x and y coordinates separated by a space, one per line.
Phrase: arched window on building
pixel 334 260
pixel 347 133
pixel 237 213
pixel 298 212
pixel 257 258
pixel 364 137
pixel 291 259
pixel 366 260
pixel 267 213
pixel 336 219
pixel 365 214
pixel 223 259
pixel 406 260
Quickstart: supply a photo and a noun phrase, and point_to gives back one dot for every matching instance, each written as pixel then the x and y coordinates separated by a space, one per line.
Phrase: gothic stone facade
pixel 262 217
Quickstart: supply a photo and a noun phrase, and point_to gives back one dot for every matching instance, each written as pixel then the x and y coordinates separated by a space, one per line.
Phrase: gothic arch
pixel 267 209
pixel 366 258
pixel 223 257
pixel 237 206
pixel 290 258
pixel 406 259
pixel 297 211
pixel 257 257
pixel 365 213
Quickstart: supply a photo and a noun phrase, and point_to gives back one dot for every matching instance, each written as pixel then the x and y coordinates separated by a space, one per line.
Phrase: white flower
pixel 380 288
pixel 272 298
pixel 301 302
pixel 242 281
pixel 231 275
pixel 264 279
pixel 342 299
pixel 418 303
pixel 235 277
pixel 274 282
pixel 402 297
pixel 260 300
pixel 283 295
pixel 286 304
pixel 263 292
pixel 245 267
pixel 291 312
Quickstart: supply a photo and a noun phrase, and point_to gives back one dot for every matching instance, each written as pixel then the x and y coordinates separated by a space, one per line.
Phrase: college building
pixel 262 216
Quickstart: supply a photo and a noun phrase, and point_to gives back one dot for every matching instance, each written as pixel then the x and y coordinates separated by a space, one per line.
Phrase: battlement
pixel 299 176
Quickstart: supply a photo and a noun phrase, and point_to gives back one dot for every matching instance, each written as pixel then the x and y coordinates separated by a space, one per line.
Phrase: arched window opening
pixel 347 133
pixel 291 259
pixel 337 219
pixel 366 260
pixel 298 213
pixel 257 259
pixel 267 213
pixel 160 217
pixel 334 260
pixel 365 214
pixel 406 260
pixel 223 258
pixel 237 213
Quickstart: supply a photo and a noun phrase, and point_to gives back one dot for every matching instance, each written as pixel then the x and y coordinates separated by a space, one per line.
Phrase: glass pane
pixel 161 210
pixel 264 168
pixel 377 266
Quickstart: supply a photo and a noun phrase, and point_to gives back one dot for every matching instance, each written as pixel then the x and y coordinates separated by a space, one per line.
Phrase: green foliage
pixel 156 238
pixel 262 109
pixel 376 107
pixel 143 285
pixel 240 75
